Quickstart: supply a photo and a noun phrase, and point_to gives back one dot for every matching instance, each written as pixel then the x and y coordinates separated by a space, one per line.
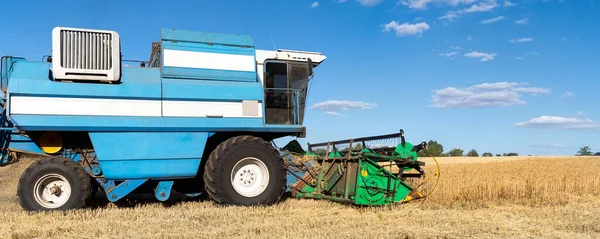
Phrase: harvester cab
pixel 285 76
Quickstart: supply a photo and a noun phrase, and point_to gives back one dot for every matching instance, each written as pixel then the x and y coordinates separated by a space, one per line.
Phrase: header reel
pixel 361 171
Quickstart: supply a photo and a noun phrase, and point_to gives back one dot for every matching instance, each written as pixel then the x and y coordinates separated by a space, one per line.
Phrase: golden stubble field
pixel 499 197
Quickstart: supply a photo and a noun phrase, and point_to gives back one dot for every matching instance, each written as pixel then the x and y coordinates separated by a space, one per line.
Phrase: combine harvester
pixel 197 118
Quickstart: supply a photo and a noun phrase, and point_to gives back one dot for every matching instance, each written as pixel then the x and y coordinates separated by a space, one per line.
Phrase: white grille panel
pixel 86 50
pixel 84 54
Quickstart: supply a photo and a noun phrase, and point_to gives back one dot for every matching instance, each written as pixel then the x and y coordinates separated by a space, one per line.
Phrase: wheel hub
pixel 52 191
pixel 250 177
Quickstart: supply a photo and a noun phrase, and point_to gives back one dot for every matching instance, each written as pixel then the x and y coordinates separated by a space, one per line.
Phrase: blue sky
pixel 497 76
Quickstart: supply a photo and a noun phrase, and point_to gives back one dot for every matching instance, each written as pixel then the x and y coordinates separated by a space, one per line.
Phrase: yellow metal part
pixel 416 194
pixel 50 142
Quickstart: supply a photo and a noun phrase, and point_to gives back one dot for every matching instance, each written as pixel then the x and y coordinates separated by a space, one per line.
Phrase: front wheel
pixel 245 170
pixel 54 183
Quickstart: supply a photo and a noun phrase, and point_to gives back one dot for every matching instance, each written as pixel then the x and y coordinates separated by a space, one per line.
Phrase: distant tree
pixel 511 154
pixel 584 151
pixel 433 148
pixel 498 155
pixel 473 153
pixel 487 154
pixel 456 152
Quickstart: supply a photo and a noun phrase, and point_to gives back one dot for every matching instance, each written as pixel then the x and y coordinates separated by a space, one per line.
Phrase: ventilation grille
pixel 86 50
pixel 86 54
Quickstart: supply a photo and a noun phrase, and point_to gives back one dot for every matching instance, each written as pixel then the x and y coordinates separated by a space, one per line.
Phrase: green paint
pixel 405 152
pixel 371 185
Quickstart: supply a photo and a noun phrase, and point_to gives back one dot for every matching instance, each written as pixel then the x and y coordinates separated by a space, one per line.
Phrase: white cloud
pixel 314 4
pixel 341 1
pixel 456 48
pixel 406 28
pixel 450 16
pixel 522 21
pixel 509 4
pixel 559 122
pixel 469 38
pixel 422 4
pixel 525 39
pixel 332 107
pixel 484 95
pixel 564 39
pixel 532 90
pixel 547 146
pixel 567 94
pixel 369 3
pixel 483 6
pixel 492 20
pixel 481 55
pixel 520 58
pixel 449 54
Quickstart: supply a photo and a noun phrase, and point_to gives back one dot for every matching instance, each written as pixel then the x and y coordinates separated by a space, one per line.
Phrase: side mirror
pixel 310 67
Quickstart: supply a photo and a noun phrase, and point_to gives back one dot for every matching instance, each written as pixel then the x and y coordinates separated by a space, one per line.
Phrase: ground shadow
pixel 136 199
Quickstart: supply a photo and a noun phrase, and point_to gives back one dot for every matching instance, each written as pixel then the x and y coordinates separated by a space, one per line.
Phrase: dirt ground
pixel 500 207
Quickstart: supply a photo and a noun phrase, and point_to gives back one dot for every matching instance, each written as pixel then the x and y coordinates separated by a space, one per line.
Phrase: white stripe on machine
pixel 207 60
pixel 212 109
pixel 83 106
pixel 23 105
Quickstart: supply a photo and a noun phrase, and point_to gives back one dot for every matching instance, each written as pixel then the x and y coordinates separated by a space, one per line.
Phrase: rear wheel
pixel 54 183
pixel 245 170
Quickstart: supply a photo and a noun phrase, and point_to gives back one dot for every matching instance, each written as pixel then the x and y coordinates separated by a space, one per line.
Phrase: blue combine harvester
pixel 198 117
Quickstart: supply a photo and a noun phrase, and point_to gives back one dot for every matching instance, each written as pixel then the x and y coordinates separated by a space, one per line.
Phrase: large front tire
pixel 54 183
pixel 245 170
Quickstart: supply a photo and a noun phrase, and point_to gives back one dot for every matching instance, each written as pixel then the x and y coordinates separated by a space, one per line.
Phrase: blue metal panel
pixel 202 37
pixel 148 145
pixel 210 74
pixel 151 168
pixel 20 143
pixel 117 123
pixel 31 78
pixel 136 155
pixel 207 74
pixel 177 89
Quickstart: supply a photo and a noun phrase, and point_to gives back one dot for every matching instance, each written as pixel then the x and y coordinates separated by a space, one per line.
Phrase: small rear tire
pixel 245 171
pixel 54 183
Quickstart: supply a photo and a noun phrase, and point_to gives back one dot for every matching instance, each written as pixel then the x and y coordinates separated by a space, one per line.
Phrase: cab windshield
pixel 286 85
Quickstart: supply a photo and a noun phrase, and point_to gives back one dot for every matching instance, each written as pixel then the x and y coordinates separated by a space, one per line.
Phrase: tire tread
pixel 215 161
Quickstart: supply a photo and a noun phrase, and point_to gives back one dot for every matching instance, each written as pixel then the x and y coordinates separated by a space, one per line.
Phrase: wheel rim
pixel 52 191
pixel 250 177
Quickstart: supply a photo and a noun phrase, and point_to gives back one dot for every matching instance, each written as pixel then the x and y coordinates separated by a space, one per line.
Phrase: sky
pixel 495 76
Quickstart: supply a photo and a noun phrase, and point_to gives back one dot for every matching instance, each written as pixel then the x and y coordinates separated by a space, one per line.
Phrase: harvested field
pixel 514 197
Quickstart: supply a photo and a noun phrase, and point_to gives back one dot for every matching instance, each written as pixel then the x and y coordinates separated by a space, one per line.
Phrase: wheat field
pixel 498 197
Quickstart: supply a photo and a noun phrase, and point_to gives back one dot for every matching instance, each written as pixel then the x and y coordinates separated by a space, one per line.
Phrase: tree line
pixel 437 150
